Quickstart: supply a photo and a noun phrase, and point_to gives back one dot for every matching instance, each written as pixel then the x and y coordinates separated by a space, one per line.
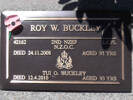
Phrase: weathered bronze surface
pixel 63 51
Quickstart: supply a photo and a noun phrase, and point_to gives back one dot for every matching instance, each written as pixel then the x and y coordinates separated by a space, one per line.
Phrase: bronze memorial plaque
pixel 66 51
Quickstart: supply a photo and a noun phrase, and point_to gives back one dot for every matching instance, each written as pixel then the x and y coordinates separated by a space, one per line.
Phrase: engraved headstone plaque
pixel 59 51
